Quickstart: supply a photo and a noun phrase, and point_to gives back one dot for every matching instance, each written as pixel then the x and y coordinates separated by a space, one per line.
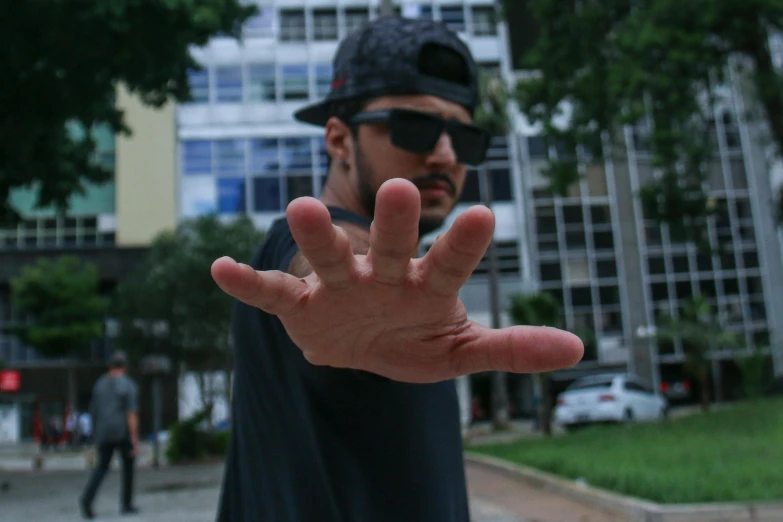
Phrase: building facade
pixel 110 227
pixel 615 272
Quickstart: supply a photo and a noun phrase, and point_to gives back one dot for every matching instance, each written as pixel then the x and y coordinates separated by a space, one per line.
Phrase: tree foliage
pixel 172 306
pixel 700 332
pixel 492 111
pixel 60 299
pixel 538 309
pixel 660 64
pixel 63 61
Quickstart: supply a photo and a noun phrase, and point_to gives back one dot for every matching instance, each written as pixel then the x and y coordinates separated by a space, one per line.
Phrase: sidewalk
pixel 22 457
pixel 190 494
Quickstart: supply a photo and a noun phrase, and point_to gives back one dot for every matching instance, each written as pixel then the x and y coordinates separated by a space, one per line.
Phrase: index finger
pixel 456 254
pixel 325 246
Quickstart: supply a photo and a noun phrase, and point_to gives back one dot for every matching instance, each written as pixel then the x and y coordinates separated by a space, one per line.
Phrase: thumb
pixel 517 349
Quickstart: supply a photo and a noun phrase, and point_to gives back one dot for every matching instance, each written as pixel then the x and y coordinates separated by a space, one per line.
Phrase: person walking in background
pixel 115 420
pixel 85 428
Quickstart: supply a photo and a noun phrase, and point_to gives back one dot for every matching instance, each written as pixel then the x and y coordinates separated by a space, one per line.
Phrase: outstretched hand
pixel 388 312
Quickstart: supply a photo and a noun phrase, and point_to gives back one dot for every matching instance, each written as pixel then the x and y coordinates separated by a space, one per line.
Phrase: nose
pixel 443 155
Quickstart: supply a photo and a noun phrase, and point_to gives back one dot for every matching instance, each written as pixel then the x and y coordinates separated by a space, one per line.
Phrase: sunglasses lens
pixel 415 132
pixel 470 143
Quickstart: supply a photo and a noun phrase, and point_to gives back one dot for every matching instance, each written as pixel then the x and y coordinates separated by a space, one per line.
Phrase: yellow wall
pixel 145 172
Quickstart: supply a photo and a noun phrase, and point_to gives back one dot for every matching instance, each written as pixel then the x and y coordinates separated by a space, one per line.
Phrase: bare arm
pixel 133 427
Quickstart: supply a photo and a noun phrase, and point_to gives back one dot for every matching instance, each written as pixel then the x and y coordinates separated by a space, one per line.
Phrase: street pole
pixel 387 7
pixel 156 421
pixel 500 416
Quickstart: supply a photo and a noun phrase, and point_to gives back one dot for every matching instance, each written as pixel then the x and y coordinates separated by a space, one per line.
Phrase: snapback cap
pixel 385 58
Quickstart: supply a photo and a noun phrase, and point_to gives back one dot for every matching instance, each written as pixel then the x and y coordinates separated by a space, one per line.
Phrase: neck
pixel 337 193
pixel 115 372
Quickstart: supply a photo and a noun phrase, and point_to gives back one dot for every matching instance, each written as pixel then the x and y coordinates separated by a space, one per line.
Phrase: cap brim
pixel 316 114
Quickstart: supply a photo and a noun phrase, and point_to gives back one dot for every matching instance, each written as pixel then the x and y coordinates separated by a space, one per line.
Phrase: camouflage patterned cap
pixel 383 59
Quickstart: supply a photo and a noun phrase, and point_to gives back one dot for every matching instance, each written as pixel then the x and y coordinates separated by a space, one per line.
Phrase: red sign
pixel 10 381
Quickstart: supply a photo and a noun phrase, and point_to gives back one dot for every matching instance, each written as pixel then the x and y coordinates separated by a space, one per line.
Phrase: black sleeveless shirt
pixel 320 444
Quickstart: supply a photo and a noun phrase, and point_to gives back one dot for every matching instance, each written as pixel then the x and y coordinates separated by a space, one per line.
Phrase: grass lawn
pixel 734 454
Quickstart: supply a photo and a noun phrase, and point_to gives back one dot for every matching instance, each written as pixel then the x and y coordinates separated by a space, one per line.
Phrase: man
pixel 115 420
pixel 346 346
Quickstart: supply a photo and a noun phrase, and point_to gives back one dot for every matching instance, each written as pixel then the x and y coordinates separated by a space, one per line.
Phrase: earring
pixel 343 164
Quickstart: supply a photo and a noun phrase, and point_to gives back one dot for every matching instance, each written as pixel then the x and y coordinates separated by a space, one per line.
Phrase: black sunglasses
pixel 419 132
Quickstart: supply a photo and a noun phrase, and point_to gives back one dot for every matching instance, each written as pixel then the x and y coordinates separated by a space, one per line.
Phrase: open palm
pixel 387 312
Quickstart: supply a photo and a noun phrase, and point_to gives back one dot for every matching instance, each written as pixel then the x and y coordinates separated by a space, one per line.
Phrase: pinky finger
pixel 274 292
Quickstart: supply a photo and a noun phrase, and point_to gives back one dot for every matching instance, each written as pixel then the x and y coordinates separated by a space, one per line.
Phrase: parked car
pixel 675 390
pixel 609 398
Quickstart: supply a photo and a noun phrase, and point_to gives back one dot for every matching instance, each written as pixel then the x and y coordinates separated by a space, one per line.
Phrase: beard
pixel 367 193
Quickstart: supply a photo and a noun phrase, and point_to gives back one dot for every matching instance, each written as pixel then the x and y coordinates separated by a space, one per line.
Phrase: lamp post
pixel 156 366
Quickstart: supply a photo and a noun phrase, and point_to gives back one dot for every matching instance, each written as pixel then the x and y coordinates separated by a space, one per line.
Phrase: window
pixel 266 195
pixel 550 272
pixel 609 295
pixel 298 186
pixel 453 16
pixel 603 241
pixel 632 386
pixel 297 155
pixel 501 185
pixel 356 18
pixel 656 265
pixel 323 155
pixel 261 25
pixel 264 160
pixel 484 23
pixel 325 24
pixel 230 157
pixel 599 214
pixel 417 11
pixel 572 215
pixel 660 292
pixel 231 195
pixel 606 269
pixel 680 264
pixel 295 82
pixel 292 25
pixel 197 157
pixel 578 271
pixel 198 81
pixel 537 148
pixel 261 82
pixel 580 296
pixel 546 224
pixel 471 192
pixel 323 80
pixel 575 240
pixel 228 84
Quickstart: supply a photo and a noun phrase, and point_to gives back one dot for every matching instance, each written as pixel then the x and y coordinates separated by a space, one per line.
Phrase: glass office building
pixel 241 152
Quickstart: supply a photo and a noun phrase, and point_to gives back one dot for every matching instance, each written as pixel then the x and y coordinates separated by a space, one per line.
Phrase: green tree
pixel 492 110
pixel 538 309
pixel 171 306
pixel 66 76
pixel 658 62
pixel 752 363
pixel 700 333
pixel 60 299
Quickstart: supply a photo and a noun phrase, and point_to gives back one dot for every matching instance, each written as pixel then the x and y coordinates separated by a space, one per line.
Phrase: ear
pixel 339 140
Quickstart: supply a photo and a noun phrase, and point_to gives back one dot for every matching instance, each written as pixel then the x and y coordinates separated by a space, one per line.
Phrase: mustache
pixel 435 178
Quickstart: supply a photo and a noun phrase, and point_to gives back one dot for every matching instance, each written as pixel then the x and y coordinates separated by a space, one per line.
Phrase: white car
pixel 609 398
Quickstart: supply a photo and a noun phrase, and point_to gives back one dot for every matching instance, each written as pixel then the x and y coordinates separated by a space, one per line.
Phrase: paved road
pixel 189 494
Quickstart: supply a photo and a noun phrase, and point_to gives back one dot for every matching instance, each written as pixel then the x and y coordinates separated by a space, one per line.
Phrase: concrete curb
pixel 634 509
